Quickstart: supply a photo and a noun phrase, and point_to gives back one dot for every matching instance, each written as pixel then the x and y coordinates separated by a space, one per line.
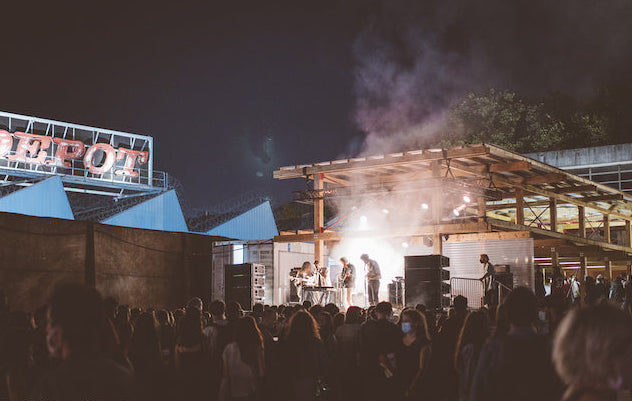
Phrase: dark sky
pixel 232 90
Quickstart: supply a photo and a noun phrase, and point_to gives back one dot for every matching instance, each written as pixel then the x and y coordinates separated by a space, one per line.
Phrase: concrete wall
pixel 138 267
pixel 586 156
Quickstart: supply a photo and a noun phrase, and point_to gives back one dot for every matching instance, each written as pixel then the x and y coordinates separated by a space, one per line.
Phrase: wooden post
pixel 519 206
pixel 582 275
pixel 581 211
pixel 437 244
pixel 606 228
pixel 555 260
pixel 482 211
pixel 608 264
pixel 319 216
pixel 628 233
pixel 553 213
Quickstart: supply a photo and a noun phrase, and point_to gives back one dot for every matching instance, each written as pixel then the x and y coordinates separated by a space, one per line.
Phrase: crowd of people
pixel 83 347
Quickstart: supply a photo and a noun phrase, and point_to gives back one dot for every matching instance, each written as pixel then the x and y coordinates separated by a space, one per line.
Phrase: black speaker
pixel 424 280
pixel 505 279
pixel 244 283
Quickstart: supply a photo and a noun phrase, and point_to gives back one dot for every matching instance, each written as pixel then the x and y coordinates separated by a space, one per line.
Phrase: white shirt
pixel 242 380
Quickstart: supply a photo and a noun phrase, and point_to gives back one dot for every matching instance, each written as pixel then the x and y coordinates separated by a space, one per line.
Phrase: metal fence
pixel 470 288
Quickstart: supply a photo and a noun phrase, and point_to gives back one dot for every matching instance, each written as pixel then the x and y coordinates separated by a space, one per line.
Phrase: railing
pixel 471 288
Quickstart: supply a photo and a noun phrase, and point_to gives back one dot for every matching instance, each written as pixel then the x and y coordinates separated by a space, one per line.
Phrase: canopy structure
pixel 46 198
pixel 575 222
pixel 253 225
pixel 162 212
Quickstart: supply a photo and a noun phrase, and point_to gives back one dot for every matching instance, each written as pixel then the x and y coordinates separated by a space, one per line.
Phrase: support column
pixel 582 275
pixel 519 206
pixel 437 244
pixel 482 210
pixel 606 228
pixel 90 262
pixel 581 211
pixel 553 213
pixel 319 216
pixel 628 233
pixel 608 264
pixel 555 260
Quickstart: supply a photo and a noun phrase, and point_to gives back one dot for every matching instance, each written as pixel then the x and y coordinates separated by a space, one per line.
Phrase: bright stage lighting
pixel 404 244
pixel 456 212
pixel 385 211
pixel 363 219
pixel 424 206
pixel 466 199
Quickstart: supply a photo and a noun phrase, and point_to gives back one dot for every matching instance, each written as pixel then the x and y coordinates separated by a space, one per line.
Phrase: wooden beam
pixel 608 265
pixel 606 228
pixel 519 206
pixel 570 251
pixel 578 189
pixel 581 211
pixel 489 236
pixel 521 165
pixel 543 179
pixel 454 228
pixel 549 242
pixel 481 210
pixel 437 244
pixel 548 233
pixel 582 276
pixel 553 213
pixel 319 216
pixel 628 233
pixel 602 198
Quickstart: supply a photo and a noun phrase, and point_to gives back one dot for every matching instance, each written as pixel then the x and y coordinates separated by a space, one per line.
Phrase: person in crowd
pixel 575 291
pixel 555 309
pixel 326 331
pixel 591 291
pixel 244 366
pixel 124 328
pixel 379 339
pixel 430 319
pixel 166 336
pixel 195 302
pixel 257 312
pixel 627 294
pixel 303 359
pixel 445 345
pixel 109 308
pixel 592 353
pixel 191 356
pixel 347 280
pixel 17 355
pixel 413 358
pixel 601 288
pixel 219 335
pixel 234 311
pixel 471 339
pixel 347 349
pixel 332 309
pixel 373 276
pixel 146 357
pixel 516 366
pixel 75 321
pixel 339 320
pixel 616 289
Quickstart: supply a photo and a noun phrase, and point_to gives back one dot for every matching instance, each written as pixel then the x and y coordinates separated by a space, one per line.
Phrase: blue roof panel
pixel 45 199
pixel 162 212
pixel 255 224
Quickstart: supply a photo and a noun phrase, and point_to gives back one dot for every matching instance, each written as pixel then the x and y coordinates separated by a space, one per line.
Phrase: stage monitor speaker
pixel 244 283
pixel 505 279
pixel 424 281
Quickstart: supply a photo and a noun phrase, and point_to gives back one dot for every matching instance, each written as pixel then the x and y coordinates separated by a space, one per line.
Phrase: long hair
pixel 419 321
pixel 475 331
pixel 190 329
pixel 145 342
pixel 248 339
pixel 302 328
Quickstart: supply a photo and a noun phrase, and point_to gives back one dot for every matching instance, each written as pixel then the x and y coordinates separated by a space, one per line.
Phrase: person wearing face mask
pixel 488 280
pixel 73 334
pixel 413 356
pixel 592 353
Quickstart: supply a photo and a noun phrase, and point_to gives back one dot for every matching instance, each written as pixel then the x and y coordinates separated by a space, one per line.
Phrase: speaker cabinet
pixel 425 281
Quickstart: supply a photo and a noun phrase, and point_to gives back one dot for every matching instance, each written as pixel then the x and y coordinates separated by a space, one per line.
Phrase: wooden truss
pixel 589 223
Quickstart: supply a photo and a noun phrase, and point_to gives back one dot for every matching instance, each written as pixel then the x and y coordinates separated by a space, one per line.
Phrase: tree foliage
pixel 505 119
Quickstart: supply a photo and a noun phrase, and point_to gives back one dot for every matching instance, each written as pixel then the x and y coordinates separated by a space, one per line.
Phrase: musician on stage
pixel 347 280
pixel 322 280
pixel 305 278
pixel 373 276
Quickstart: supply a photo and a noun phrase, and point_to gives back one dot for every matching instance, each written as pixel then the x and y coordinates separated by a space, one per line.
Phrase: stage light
pixel 404 244
pixel 424 206
pixel 354 208
pixel 456 212
pixel 363 219
pixel 385 211
pixel 466 199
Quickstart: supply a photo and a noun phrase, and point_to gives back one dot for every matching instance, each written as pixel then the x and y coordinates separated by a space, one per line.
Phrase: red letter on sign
pixel 130 159
pixel 110 157
pixel 6 142
pixel 63 154
pixel 30 143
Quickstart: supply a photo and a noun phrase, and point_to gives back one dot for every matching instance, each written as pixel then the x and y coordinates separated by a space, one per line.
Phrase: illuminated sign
pixel 30 144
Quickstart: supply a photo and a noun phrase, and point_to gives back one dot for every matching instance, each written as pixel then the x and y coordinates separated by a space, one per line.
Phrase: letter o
pixel 110 158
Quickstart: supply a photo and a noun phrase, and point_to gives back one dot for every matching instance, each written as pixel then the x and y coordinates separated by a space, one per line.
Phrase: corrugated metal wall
pixel 517 253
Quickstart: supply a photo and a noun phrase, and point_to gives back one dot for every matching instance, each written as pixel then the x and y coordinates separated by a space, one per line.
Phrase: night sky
pixel 232 90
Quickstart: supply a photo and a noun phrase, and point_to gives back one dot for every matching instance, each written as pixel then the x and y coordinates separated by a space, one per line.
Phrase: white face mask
pixel 407 327
pixel 53 341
